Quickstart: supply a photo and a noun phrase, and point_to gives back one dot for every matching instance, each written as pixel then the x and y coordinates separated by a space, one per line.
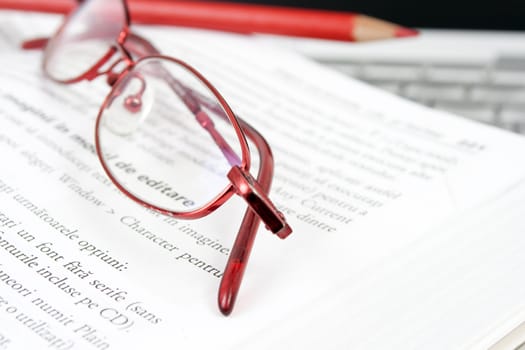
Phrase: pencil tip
pixel 403 32
pixel 368 28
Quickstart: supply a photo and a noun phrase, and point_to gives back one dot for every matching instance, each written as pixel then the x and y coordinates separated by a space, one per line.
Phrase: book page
pixel 360 175
pixel 458 287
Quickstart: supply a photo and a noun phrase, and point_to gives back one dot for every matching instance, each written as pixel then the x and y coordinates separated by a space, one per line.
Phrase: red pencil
pixel 242 18
pixel 51 6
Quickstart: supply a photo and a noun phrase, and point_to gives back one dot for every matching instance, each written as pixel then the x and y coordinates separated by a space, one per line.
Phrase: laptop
pixel 469 58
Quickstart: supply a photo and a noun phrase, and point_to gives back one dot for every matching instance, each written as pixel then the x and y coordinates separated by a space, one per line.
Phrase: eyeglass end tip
pixel 225 305
pixel 284 232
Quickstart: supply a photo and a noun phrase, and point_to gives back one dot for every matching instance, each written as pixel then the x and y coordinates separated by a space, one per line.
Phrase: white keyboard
pixel 492 93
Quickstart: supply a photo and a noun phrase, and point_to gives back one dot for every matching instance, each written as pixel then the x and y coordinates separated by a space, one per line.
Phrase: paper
pixel 363 177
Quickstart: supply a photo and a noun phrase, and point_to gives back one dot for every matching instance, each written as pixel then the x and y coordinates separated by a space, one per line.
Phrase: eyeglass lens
pixel 160 143
pixel 85 38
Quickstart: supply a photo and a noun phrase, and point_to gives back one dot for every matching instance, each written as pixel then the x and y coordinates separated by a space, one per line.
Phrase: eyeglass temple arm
pixel 34 44
pixel 240 253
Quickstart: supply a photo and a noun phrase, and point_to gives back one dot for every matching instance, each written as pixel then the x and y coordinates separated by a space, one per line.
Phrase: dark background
pixel 470 14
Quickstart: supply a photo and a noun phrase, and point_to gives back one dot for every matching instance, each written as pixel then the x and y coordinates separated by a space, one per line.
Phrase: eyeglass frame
pixel 253 190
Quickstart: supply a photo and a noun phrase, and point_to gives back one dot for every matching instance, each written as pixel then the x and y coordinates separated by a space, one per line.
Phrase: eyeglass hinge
pixel 252 192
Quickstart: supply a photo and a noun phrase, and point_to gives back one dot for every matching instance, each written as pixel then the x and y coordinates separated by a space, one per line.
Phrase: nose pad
pixel 133 103
pixel 128 105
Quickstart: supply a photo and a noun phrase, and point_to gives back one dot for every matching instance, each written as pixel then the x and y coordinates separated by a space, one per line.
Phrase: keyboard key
pixel 509 70
pixel 514 117
pixel 513 113
pixel 399 72
pixel 508 77
pixel 434 92
pixel 457 74
pixel 497 94
pixel 516 63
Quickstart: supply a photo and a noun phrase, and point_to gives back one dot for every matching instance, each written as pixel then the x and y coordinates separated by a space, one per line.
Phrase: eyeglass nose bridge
pixel 116 56
pixel 120 67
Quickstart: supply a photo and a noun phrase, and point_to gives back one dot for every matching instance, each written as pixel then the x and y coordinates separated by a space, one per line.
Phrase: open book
pixel 408 228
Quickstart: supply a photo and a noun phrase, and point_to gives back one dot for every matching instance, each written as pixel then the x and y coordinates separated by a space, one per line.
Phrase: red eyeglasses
pixel 164 135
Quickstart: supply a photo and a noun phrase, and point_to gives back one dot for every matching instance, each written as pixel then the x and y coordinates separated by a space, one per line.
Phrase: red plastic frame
pixel 253 190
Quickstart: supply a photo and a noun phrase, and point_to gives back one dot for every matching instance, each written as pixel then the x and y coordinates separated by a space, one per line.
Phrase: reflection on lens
pixel 173 142
pixel 85 38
